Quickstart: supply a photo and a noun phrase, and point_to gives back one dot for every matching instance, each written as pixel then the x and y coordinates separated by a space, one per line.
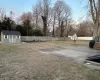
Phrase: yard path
pixel 24 62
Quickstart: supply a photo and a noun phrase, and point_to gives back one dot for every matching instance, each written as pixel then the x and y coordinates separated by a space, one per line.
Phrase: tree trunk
pixel 95 31
pixel 95 12
pixel 53 32
pixel 36 21
pixel 62 29
pixel 44 25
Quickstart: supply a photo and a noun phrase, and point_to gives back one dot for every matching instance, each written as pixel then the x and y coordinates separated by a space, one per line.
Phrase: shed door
pixel 11 38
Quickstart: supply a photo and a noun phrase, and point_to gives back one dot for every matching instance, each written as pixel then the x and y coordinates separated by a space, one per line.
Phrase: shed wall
pixel 10 38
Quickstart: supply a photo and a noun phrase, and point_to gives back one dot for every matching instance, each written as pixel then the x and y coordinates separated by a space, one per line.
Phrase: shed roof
pixel 11 32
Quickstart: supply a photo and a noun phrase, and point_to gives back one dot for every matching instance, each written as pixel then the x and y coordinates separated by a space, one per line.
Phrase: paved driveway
pixel 75 53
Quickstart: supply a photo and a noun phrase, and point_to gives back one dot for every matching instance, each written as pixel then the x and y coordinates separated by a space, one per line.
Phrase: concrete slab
pixel 71 53
pixel 75 53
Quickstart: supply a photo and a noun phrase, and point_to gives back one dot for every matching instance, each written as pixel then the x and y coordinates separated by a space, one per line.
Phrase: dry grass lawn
pixel 24 62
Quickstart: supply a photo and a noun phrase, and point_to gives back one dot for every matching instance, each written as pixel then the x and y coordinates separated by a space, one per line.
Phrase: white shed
pixel 10 37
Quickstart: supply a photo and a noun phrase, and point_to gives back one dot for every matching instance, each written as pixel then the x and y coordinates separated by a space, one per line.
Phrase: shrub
pixel 37 32
pixel 91 43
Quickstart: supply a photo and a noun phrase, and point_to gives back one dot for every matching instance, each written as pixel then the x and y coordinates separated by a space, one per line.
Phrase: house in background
pixel 10 37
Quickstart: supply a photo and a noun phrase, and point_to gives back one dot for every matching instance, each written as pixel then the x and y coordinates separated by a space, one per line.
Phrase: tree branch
pixel 92 11
pixel 95 6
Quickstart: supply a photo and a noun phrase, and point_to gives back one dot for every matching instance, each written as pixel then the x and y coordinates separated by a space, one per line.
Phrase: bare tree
pixel 2 14
pixel 37 13
pixel 95 13
pixel 42 12
pixel 85 28
pixel 26 19
pixel 63 13
pixel 26 16
pixel 46 5
pixel 62 29
pixel 54 18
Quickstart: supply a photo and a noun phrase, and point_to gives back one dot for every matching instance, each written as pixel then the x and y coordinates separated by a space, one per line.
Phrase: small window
pixel 18 37
pixel 5 36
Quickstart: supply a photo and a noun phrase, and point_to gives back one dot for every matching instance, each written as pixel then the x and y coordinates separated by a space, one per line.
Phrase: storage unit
pixel 10 37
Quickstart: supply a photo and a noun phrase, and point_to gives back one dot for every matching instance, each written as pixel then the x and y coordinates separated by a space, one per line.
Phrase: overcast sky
pixel 20 6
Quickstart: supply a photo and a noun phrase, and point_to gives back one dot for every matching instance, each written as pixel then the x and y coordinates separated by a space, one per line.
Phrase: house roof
pixel 10 32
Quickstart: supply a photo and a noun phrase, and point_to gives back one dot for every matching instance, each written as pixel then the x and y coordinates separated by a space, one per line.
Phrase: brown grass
pixel 24 62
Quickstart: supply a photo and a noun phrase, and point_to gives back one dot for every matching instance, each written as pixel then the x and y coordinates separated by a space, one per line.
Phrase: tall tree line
pixel 58 16
pixel 45 19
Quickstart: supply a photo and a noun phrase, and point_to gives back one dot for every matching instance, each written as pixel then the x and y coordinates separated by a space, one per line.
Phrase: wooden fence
pixel 38 38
